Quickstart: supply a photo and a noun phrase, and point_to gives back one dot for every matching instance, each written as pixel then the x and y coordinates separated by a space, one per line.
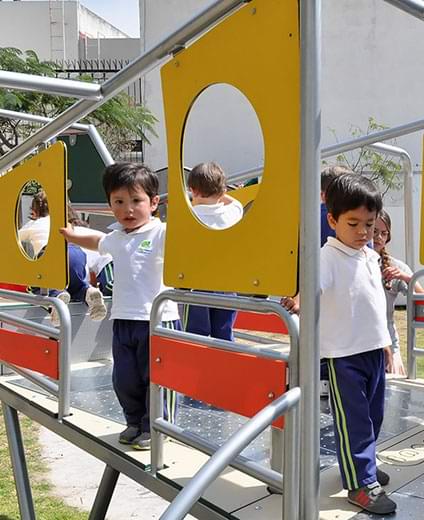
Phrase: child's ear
pixel 331 221
pixel 154 203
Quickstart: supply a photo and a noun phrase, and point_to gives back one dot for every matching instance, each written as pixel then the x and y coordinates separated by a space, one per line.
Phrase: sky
pixel 123 14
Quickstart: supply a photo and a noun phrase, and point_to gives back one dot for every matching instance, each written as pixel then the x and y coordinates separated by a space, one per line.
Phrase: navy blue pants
pixel 208 321
pixel 131 371
pixel 357 385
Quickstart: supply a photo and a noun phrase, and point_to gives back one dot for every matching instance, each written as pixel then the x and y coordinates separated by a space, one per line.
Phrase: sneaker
pixel 383 478
pixel 96 306
pixel 130 433
pixel 54 316
pixel 324 389
pixel 373 499
pixel 142 442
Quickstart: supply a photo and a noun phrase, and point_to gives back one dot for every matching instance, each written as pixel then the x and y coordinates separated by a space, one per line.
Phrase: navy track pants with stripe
pixel 357 385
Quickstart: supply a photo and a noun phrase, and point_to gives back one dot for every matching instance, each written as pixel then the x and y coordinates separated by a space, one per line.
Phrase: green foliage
pixel 381 168
pixel 119 120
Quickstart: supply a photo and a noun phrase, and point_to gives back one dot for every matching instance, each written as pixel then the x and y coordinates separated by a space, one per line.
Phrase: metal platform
pixel 401 444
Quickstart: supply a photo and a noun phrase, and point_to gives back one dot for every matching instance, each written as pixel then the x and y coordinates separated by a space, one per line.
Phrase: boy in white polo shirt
pixel 354 337
pixel 136 245
pixel 217 210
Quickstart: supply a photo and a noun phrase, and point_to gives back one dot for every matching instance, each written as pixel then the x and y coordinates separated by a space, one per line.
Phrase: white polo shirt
pixel 220 215
pixel 353 303
pixel 138 271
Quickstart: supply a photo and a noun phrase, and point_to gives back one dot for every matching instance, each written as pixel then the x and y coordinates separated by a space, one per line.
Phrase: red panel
pixel 13 287
pixel 33 352
pixel 239 383
pixel 260 322
pixel 419 310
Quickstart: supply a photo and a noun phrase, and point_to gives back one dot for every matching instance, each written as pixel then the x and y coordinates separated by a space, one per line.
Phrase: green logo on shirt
pixel 145 246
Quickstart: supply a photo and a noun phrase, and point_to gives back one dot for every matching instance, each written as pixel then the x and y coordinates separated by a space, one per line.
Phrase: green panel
pixel 85 170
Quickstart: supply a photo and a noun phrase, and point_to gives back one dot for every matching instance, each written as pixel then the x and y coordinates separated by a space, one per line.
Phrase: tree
pixel 379 167
pixel 119 121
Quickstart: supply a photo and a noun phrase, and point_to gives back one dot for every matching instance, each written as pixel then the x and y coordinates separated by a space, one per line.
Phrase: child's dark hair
pixel 130 175
pixel 208 179
pixel 330 172
pixel 351 191
pixel 74 218
pixel 39 204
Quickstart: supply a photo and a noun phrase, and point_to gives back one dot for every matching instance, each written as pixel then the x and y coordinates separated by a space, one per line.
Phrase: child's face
pixel 132 208
pixel 355 228
pixel 381 235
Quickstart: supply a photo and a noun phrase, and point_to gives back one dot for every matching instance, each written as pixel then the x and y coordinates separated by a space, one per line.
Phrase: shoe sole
pixel 387 511
pixel 96 308
pixel 141 448
pixel 54 316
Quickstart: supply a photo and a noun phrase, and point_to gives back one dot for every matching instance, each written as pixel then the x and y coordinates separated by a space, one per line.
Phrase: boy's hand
pixel 68 232
pixel 290 304
pixel 388 354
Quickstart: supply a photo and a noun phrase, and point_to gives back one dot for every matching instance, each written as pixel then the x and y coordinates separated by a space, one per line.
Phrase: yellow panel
pixel 48 168
pixel 257 51
pixel 245 195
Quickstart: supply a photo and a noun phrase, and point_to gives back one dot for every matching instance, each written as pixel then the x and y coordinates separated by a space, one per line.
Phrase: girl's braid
pixel 385 262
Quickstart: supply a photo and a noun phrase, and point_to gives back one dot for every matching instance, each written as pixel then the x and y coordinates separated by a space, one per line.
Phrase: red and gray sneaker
pixel 373 499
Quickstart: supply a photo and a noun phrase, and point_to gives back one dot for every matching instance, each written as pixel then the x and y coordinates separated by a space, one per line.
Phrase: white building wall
pixel 26 25
pixel 372 66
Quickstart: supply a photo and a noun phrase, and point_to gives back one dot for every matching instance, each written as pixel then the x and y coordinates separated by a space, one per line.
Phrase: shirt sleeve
pixel 105 244
pixel 326 272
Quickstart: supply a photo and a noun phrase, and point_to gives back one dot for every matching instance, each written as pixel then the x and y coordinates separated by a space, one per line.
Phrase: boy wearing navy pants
pixel 354 337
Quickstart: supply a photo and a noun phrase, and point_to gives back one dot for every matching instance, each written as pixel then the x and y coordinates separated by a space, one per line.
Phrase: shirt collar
pixel 334 242
pixel 116 226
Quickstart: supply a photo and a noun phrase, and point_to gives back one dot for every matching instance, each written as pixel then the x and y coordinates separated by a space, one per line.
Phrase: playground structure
pixel 298 469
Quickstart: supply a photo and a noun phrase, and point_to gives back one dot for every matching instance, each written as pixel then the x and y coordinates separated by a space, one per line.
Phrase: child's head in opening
pixel 328 174
pixel 132 191
pixel 39 206
pixel 353 204
pixel 207 183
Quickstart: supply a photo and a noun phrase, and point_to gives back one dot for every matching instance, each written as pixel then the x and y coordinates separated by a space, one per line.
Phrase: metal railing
pixel 61 389
pixel 412 324
pixel 289 456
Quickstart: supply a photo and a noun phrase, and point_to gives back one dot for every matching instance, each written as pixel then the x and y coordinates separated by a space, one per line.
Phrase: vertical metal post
pixel 156 411
pixel 104 494
pixel 310 44
pixel 17 455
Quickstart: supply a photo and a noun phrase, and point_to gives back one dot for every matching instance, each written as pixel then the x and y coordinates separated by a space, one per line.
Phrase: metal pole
pixel 413 7
pixel 310 30
pixel 408 196
pixel 226 453
pixel 100 145
pixel 47 85
pixel 17 455
pixel 120 80
pixel 104 494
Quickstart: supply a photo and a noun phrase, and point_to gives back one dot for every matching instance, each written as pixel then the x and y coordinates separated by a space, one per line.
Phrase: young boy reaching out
pixel 136 245
pixel 354 337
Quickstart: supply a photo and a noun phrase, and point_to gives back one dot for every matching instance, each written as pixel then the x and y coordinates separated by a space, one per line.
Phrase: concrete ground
pixel 75 476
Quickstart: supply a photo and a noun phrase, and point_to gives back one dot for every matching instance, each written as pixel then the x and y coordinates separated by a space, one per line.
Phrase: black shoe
pixel 373 499
pixel 130 433
pixel 383 478
pixel 142 442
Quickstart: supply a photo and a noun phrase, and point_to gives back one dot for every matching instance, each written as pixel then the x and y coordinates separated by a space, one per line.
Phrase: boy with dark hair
pixel 216 209
pixel 136 245
pixel 354 337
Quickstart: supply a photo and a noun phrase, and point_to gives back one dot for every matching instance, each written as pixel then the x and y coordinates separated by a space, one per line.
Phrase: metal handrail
pixel 47 85
pixel 63 335
pixel 91 130
pixel 411 351
pixel 191 493
pixel 413 7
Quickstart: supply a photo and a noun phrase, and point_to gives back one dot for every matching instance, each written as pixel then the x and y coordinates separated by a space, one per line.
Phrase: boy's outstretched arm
pixel 88 240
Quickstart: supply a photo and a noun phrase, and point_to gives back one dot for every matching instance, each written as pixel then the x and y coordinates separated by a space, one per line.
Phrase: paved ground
pixel 76 475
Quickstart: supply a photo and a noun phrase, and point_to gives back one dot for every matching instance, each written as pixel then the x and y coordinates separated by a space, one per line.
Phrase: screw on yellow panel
pixel 258 55
pixel 49 169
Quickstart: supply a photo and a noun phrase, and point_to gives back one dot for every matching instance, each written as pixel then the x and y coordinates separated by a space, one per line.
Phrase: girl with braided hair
pixel 396 275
